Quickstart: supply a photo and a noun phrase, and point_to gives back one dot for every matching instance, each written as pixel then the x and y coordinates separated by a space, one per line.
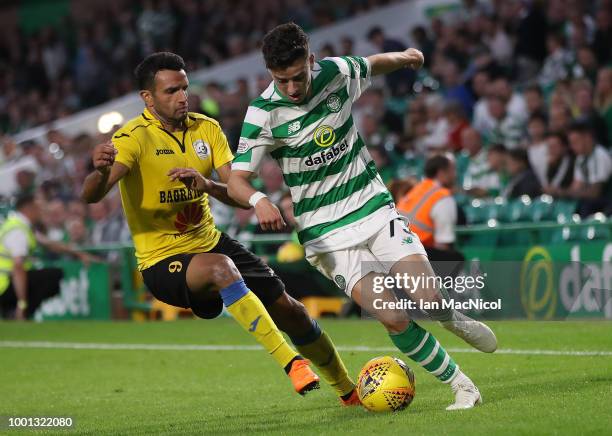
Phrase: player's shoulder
pixel 201 118
pixel 346 65
pixel 132 128
pixel 268 100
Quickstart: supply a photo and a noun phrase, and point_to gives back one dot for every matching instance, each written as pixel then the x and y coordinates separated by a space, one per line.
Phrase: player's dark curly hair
pixel 284 45
pixel 146 70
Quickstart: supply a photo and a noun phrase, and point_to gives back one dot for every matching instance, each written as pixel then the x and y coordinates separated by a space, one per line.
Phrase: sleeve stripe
pixel 342 66
pixel 363 66
pixel 250 131
pixel 349 62
pixel 256 116
pixel 244 157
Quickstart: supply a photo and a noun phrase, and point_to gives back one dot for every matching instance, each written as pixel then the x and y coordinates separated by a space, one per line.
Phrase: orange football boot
pixel 303 378
pixel 353 400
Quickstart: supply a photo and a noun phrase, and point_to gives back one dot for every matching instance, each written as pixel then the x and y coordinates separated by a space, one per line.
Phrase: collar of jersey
pixel 286 100
pixel 148 116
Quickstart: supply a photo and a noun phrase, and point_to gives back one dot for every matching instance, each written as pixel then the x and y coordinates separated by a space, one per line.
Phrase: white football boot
pixel 466 393
pixel 475 333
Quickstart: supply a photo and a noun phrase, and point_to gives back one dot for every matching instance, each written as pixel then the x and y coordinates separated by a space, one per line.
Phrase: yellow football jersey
pixel 166 217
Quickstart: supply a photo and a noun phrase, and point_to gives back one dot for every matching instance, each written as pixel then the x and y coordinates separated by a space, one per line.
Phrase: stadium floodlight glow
pixel 108 120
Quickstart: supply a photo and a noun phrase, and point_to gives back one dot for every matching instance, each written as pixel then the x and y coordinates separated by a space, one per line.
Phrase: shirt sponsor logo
pixel 333 102
pixel 327 155
pixel 202 149
pixel 163 151
pixel 324 136
pixel 178 195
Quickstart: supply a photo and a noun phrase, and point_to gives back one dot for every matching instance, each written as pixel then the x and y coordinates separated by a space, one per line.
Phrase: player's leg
pixel 397 242
pixel 411 339
pixel 200 280
pixel 405 257
pixel 289 315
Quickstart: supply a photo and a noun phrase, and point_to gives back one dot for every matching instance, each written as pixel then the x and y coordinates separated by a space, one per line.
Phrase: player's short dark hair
pixel 23 199
pixel 146 70
pixel 436 163
pixel 284 45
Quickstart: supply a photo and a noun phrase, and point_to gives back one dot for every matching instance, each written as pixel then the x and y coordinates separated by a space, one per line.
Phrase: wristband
pixel 22 304
pixel 256 197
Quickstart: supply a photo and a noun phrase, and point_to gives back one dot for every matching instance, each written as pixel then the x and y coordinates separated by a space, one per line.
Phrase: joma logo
pixel 163 151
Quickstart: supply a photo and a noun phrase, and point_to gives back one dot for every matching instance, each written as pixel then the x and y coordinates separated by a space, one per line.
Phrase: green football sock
pixel 422 347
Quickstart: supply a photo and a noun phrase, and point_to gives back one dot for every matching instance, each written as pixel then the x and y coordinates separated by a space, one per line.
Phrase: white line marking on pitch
pixel 195 347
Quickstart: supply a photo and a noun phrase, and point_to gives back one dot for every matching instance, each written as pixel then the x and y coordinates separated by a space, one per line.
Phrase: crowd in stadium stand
pixel 89 59
pixel 519 92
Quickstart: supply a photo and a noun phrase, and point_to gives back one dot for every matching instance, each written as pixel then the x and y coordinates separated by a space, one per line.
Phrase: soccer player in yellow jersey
pixel 163 160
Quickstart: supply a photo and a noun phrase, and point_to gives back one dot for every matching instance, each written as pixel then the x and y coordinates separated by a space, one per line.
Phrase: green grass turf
pixel 195 392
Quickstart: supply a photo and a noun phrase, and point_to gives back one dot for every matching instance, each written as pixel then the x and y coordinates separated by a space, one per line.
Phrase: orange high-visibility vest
pixel 417 205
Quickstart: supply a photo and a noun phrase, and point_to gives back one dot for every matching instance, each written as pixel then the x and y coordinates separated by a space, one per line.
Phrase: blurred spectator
pixel 399 82
pixel 496 156
pixel 422 42
pixel 534 100
pixel 480 180
pixel 457 124
pixel 559 166
pixel 603 99
pixel 558 62
pixel 434 136
pixel 54 219
pixel 592 171
pixel 506 129
pixel 454 88
pixel 430 207
pixel 77 231
pixel 585 110
pixel 536 145
pixel 523 180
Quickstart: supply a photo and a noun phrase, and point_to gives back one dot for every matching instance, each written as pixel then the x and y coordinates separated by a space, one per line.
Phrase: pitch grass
pixel 242 392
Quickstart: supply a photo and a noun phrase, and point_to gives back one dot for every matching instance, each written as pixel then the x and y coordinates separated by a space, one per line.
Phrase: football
pixel 385 384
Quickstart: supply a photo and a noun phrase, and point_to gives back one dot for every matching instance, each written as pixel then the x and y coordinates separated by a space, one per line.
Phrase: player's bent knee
pixel 223 272
pixel 211 272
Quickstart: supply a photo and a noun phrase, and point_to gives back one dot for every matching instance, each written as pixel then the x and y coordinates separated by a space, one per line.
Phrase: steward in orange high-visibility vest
pixel 417 205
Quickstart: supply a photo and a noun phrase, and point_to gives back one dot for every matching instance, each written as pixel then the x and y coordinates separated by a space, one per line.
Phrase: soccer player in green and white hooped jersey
pixel 346 218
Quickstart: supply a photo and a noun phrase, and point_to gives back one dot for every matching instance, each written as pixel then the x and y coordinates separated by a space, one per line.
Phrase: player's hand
pixel 415 58
pixel 103 157
pixel 191 177
pixel 268 215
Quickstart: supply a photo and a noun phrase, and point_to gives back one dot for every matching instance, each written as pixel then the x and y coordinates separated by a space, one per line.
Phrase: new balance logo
pixel 253 326
pixel 163 151
pixel 294 127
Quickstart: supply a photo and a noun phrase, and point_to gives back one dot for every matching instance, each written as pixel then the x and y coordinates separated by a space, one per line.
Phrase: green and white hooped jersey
pixel 333 180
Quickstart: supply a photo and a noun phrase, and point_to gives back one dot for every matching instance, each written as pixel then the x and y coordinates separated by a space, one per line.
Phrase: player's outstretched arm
pixel 384 63
pixel 106 173
pixel 239 188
